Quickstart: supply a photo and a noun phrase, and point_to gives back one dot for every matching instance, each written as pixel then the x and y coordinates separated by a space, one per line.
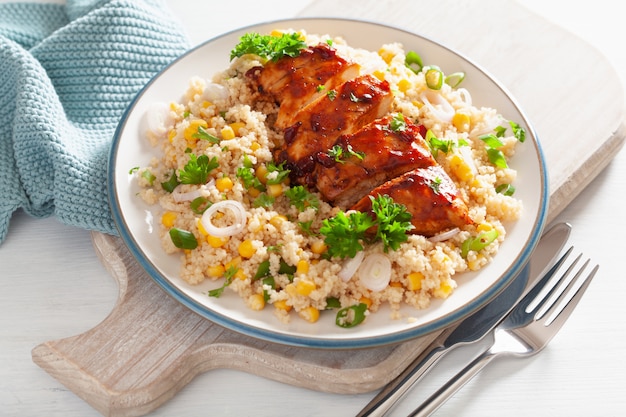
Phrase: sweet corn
pixel 461 120
pixel 404 85
pixel 282 305
pixel 233 263
pixel 201 228
pixel 291 289
pixel 192 129
pixel 379 74
pixel 256 302
pixel 474 264
pixel 366 300
pixel 305 287
pixel 484 227
pixel 444 290
pixel 310 314
pixel 386 55
pixel 275 190
pixel 395 284
pixel 461 168
pixel 227 133
pixel 224 184
pixel 415 281
pixel 241 274
pixel 302 267
pixel 168 218
pixel 278 220
pixel 261 173
pixel 215 271
pixel 255 146
pixel 318 247
pixel 206 104
pixel 171 135
pixel 254 193
pixel 236 126
pixel 246 249
pixel 216 242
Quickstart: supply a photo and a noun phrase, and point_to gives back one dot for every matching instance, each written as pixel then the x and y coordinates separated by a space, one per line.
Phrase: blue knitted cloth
pixel 67 73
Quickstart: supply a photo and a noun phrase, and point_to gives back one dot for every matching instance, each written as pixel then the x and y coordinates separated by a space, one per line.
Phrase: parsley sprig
pixel 197 170
pixel 269 47
pixel 345 233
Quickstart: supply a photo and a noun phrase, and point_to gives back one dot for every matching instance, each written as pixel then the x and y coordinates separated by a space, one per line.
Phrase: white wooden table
pixel 55 287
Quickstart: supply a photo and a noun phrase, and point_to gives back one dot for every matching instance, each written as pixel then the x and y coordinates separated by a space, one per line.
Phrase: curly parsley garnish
pixel 345 233
pixel 301 199
pixel 398 124
pixel 197 170
pixel 269 47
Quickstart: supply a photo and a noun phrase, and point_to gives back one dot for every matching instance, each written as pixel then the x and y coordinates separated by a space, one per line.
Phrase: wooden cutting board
pixel 150 346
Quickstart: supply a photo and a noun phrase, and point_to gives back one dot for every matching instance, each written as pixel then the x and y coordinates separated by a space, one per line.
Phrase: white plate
pixel 135 219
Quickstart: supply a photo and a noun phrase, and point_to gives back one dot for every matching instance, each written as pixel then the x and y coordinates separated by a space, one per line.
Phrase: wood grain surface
pixel 149 347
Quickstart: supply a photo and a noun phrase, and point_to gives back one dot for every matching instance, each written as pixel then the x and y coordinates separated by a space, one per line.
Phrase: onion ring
pixel 238 211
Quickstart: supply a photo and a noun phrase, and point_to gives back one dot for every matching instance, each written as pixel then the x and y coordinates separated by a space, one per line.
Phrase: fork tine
pixel 563 307
pixel 549 299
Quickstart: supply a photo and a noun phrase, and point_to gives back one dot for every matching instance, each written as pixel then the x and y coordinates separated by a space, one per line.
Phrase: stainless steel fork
pixel 526 330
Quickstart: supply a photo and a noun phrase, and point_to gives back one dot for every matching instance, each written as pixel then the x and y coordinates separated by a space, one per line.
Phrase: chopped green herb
pixel 148 176
pixel 518 131
pixel 496 157
pixel 398 124
pixel 506 189
pixel 435 184
pixel 197 170
pixel 263 270
pixel 332 94
pixel 332 302
pixel 281 173
pixel 204 135
pixel 228 279
pixel 392 221
pixel 344 234
pixel 301 198
pixel 339 154
pixel 435 144
pixel 264 200
pixel 269 47
pixel 183 239
pixel 351 316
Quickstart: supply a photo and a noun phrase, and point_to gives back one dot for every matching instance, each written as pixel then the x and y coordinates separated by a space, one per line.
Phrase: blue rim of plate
pixel 514 270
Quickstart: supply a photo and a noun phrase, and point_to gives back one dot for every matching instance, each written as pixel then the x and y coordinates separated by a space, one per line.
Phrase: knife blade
pixel 476 326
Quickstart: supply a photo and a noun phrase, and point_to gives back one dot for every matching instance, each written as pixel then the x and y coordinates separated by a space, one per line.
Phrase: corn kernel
pixel 168 219
pixel 484 227
pixel 310 314
pixel 461 168
pixel 215 271
pixel 282 305
pixel 255 146
pixel 246 249
pixel 192 129
pixel 275 190
pixel 367 301
pixel 474 264
pixel 227 133
pixel 386 55
pixel 415 281
pixel 261 173
pixel 461 120
pixel 240 274
pixel 302 267
pixel 379 74
pixel 291 289
pixel 318 247
pixel 236 126
pixel 216 242
pixel 278 220
pixel 206 104
pixel 171 135
pixel 224 184
pixel 276 33
pixel 395 284
pixel 444 290
pixel 233 263
pixel 305 287
pixel 254 193
pixel 201 228
pixel 404 85
pixel 256 302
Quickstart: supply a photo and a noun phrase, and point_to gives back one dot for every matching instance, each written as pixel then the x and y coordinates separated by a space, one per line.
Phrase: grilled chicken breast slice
pixel 371 156
pixel 344 110
pixel 294 82
pixel 429 195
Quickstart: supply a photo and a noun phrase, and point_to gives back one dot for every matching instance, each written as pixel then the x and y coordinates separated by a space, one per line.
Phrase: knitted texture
pixel 67 74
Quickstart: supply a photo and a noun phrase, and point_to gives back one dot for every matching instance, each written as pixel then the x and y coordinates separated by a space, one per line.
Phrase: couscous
pixel 236 216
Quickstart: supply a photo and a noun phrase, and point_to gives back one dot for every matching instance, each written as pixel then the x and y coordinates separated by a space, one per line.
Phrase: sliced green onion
pixel 413 61
pixel 497 158
pixel 506 189
pixel 148 176
pixel 479 242
pixel 269 281
pixel 491 140
pixel 434 78
pixel 200 204
pixel 351 316
pixel 170 184
pixel 183 239
pixel 454 79
pixel 263 270
pixel 332 302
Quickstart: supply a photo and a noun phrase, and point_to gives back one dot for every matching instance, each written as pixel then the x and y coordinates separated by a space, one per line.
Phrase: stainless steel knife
pixel 475 327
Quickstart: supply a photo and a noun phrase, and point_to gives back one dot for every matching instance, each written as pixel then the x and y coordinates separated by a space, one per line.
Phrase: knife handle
pixel 391 393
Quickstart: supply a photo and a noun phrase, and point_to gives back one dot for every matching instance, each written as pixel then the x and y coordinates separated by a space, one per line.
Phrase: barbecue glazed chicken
pixel 326 109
